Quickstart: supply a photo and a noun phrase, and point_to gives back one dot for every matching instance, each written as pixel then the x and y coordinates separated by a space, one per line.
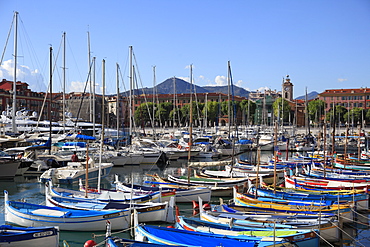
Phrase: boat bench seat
pixel 49 212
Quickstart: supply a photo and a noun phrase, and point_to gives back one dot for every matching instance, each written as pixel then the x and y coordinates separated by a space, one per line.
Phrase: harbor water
pixel 31 190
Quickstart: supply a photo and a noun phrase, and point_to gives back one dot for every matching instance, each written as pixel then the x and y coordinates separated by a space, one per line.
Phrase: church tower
pixel 287 92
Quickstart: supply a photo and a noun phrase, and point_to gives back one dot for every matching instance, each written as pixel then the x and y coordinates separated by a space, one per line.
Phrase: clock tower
pixel 287 92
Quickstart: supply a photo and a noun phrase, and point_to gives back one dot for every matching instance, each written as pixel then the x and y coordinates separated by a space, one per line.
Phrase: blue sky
pixel 321 44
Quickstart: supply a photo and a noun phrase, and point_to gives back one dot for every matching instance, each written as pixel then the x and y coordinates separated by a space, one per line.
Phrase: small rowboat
pixel 47 236
pixel 27 214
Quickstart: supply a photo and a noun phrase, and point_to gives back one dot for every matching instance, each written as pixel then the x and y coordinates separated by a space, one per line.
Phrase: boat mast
pixel 51 93
pixel 174 105
pixel 64 82
pixel 102 123
pixel 154 83
pixel 228 98
pixel 90 81
pixel 190 120
pixel 93 89
pixel 117 102
pixel 131 88
pixel 14 128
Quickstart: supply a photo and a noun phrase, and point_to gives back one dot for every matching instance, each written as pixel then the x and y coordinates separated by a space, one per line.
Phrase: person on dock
pixel 74 157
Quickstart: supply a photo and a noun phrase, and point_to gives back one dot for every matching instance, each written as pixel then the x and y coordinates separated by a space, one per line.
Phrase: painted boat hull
pixel 32 215
pixel 13 236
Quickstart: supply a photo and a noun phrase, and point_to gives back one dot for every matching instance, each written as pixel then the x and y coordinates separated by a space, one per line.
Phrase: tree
pixel 316 109
pixel 368 115
pixel 163 112
pixel 248 107
pixel 234 108
pixel 354 115
pixel 283 114
pixel 143 114
pixel 212 111
pixel 337 114
pixel 185 113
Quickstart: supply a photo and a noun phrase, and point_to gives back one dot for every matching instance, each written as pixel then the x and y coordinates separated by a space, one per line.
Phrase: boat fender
pixel 89 243
pixel 195 205
pixel 170 227
pixel 206 206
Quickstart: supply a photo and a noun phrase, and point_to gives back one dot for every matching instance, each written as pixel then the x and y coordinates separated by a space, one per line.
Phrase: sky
pixel 320 44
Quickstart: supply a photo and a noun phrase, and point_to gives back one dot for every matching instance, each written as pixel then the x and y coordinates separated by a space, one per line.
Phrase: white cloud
pixel 79 87
pixel 221 80
pixel 76 86
pixel 342 79
pixel 262 89
pixel 24 74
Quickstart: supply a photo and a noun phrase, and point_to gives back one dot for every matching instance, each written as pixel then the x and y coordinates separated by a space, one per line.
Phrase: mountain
pixel 310 96
pixel 168 87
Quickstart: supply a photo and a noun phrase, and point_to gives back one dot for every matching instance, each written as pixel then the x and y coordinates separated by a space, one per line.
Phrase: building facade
pixel 28 100
pixel 348 98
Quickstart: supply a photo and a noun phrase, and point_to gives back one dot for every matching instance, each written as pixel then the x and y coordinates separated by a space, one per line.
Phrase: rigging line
pixel 6 43
pixel 46 96
pixel 33 57
pixel 83 94
pixel 74 59
pixel 124 86
pixel 142 89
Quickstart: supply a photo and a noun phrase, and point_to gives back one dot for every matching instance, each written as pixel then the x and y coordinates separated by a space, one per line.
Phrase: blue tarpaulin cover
pixel 85 137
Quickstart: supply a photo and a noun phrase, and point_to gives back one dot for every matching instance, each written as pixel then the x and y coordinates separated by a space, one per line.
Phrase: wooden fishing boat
pixel 344 209
pixel 30 215
pixel 217 191
pixel 147 212
pixel 361 200
pixel 12 236
pixel 269 218
pixel 171 236
pixel 206 181
pixel 305 237
pixel 103 196
pixel 181 194
pixel 297 181
pixel 111 241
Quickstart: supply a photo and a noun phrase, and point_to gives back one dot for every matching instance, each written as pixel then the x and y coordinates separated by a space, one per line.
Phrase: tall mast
pixel 93 88
pixel 190 120
pixel 14 128
pixel 102 123
pixel 228 96
pixel 154 83
pixel 64 82
pixel 51 93
pixel 131 88
pixel 117 102
pixel 90 81
pixel 174 103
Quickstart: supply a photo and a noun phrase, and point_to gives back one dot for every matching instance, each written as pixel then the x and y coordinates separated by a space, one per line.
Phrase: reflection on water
pixel 32 191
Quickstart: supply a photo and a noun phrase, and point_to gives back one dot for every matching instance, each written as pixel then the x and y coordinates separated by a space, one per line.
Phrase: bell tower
pixel 287 92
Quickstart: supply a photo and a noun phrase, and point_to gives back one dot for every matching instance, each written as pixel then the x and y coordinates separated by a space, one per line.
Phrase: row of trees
pixel 210 112
pixel 337 114
pixel 316 112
